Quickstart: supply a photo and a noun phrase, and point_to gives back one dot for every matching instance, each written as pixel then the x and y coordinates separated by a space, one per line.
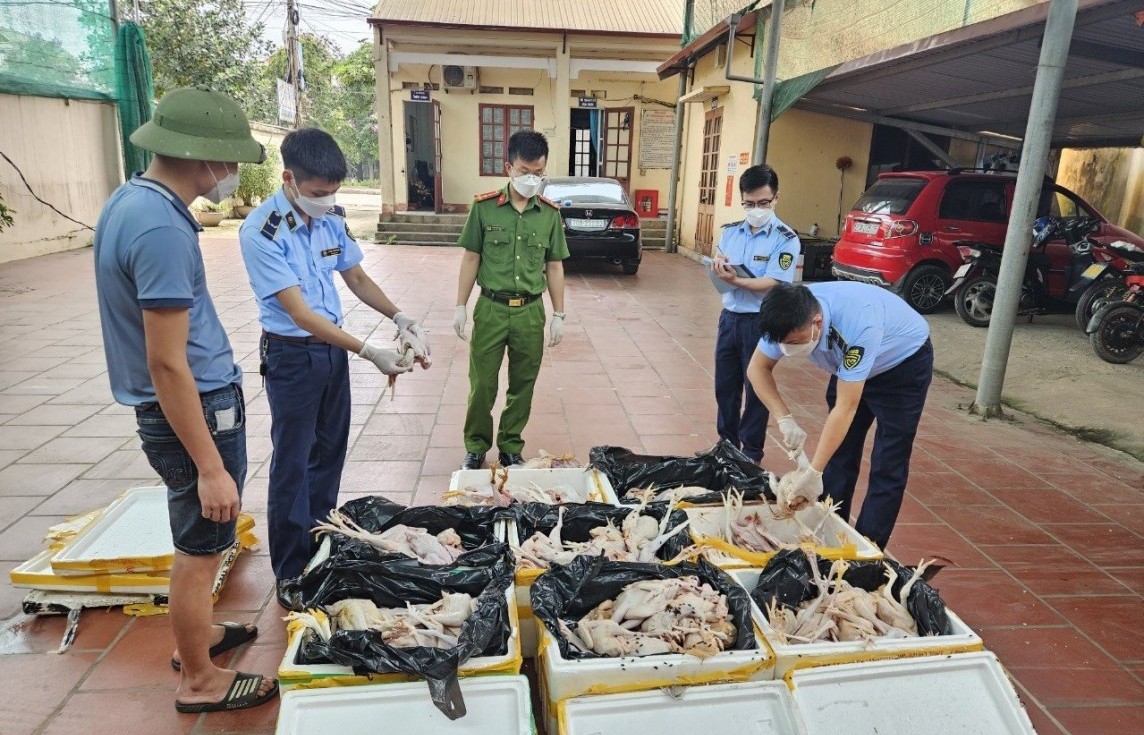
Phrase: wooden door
pixel 438 181
pixel 618 144
pixel 708 181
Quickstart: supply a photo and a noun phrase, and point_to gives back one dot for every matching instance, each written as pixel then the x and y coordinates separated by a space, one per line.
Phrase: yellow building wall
pixel 460 132
pixel 803 149
pixel 1111 179
pixel 69 152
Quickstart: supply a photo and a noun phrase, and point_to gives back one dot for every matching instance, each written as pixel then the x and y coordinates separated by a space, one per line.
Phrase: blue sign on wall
pixel 419 95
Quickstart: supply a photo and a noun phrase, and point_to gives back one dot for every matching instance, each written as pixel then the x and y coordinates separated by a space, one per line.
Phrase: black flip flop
pixel 233 636
pixel 242 695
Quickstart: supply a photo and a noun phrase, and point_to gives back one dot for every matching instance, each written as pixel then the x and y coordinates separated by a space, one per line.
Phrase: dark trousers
pixel 741 422
pixel 895 399
pixel 308 386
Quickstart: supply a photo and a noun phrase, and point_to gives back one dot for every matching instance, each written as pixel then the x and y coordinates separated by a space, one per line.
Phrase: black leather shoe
pixel 473 461
pixel 508 459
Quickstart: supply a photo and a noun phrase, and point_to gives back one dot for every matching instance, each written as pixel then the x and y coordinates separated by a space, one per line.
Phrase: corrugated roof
pixel 635 17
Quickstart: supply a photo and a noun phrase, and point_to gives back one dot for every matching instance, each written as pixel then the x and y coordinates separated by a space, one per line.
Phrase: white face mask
pixel 801 350
pixel 314 207
pixel 224 188
pixel 527 184
pixel 759 216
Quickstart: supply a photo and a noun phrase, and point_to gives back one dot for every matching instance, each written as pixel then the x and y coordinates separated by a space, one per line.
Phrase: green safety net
pixel 135 91
pixel 789 91
pixel 57 48
pixel 706 14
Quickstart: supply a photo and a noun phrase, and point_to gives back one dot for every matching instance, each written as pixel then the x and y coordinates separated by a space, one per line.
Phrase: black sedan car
pixel 599 220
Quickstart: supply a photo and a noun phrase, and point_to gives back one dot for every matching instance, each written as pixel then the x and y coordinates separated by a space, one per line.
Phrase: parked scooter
pixel 1116 331
pixel 975 282
pixel 1103 281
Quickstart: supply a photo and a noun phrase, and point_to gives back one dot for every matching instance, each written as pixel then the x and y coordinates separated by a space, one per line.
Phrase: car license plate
pixel 587 224
pixel 963 270
pixel 866 228
pixel 1093 270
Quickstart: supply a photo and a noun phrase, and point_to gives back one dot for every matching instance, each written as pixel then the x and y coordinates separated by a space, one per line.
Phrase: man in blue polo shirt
pixel 769 250
pixel 169 357
pixel 879 354
pixel 292 245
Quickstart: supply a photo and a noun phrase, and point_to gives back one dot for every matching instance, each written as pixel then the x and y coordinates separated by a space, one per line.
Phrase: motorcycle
pixel 1103 281
pixel 1116 331
pixel 975 282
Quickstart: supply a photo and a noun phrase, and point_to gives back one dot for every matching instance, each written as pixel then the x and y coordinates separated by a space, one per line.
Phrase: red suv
pixel 903 232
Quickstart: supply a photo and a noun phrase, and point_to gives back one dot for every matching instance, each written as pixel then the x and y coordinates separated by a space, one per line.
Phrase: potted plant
pixel 256 181
pixel 208 213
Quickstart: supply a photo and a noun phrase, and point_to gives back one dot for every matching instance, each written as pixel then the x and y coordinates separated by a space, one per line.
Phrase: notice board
pixel 657 138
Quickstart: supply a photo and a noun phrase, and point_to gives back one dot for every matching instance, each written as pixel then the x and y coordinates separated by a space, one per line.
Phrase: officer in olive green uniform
pixel 514 247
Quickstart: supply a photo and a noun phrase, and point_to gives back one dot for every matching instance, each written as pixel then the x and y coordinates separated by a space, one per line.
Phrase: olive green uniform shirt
pixel 514 246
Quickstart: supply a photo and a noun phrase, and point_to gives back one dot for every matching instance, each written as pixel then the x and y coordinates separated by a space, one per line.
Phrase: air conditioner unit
pixel 459 77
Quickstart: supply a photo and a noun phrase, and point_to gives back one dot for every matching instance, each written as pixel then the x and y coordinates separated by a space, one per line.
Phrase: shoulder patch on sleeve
pixel 270 226
pixel 853 357
pixel 785 260
pixel 736 223
pixel 549 202
pixel 785 231
pixel 486 196
pixel 338 210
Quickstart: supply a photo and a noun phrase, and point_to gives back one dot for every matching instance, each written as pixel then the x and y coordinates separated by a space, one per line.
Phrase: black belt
pixel 295 340
pixel 510 299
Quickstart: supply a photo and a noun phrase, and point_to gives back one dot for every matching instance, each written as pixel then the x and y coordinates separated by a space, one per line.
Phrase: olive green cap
pixel 199 124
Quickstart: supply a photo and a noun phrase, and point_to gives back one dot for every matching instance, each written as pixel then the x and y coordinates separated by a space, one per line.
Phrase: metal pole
pixel 292 56
pixel 766 98
pixel 669 243
pixel 1030 177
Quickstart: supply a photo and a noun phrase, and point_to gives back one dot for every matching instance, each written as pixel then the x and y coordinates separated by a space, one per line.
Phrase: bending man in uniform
pixel 168 355
pixel 769 250
pixel 514 248
pixel 879 354
pixel 292 245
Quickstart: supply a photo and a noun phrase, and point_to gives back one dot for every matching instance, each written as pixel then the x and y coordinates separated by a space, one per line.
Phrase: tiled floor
pixel 1042 534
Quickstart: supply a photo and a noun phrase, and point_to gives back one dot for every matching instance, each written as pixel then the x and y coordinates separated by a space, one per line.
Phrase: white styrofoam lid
pixel 958 694
pixel 135 526
pixel 749 708
pixel 495 705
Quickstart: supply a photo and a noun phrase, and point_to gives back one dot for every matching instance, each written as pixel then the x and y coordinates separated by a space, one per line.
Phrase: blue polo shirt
pixel 280 251
pixel 772 251
pixel 866 330
pixel 147 256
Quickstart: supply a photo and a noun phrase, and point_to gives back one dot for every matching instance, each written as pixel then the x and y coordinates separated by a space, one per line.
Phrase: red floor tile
pixel 1053 570
pixel 248 587
pixel 1070 686
pixel 34 686
pixel 1042 721
pixel 401 424
pixel 989 474
pixel 1053 648
pixel 389 447
pixel 135 712
pixel 1101 720
pixel 909 543
pixel 1095 489
pixel 1047 505
pixel 992 525
pixel 1113 622
pixel 1130 577
pixel 914 512
pixel 1100 543
pixel 43 634
pixel 1129 515
pixel 945 488
pixel 986 598
pixel 140 658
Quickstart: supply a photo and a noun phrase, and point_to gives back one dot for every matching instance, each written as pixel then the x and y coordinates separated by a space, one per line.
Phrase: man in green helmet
pixel 169 357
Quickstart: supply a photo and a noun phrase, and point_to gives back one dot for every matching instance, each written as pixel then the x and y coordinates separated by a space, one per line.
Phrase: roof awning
pixel 979 79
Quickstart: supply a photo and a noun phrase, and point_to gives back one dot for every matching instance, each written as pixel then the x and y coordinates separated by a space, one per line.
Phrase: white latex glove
pixel 410 333
pixel 799 489
pixel 459 319
pixel 793 435
pixel 389 362
pixel 403 322
pixel 556 330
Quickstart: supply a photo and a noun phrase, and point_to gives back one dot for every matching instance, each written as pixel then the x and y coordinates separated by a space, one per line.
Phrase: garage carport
pixel 1065 73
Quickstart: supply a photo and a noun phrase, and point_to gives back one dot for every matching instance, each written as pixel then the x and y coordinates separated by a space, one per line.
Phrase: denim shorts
pixel 225 414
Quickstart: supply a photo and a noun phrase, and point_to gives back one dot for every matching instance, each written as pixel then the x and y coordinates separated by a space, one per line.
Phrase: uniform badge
pixel 760 258
pixel 785 260
pixel 290 220
pixel 331 251
pixel 852 357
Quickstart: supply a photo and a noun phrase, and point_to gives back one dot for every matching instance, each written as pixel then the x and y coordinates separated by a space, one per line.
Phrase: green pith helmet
pixel 199 124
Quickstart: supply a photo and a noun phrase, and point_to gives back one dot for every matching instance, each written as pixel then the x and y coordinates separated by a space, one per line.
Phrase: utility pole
pixel 293 60
pixel 766 99
pixel 1030 178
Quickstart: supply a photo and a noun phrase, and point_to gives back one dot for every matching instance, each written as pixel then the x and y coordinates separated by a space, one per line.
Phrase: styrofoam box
pixel 748 708
pixel 495 705
pixel 598 487
pixel 965 694
pixel 790 656
pixel 132 535
pixel 505 530
pixel 841 540
pixel 291 674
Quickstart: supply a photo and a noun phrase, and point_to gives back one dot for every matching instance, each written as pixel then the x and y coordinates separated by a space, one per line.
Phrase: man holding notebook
pixel 753 255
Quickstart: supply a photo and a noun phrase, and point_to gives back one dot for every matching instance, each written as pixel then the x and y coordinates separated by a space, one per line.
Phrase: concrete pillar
pixel 561 140
pixel 384 106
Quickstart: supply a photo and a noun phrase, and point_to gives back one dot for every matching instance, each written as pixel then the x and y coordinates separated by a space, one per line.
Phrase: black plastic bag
pixel 392 582
pixel 375 514
pixel 787 578
pixel 570 592
pixel 719 469
pixel 579 520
